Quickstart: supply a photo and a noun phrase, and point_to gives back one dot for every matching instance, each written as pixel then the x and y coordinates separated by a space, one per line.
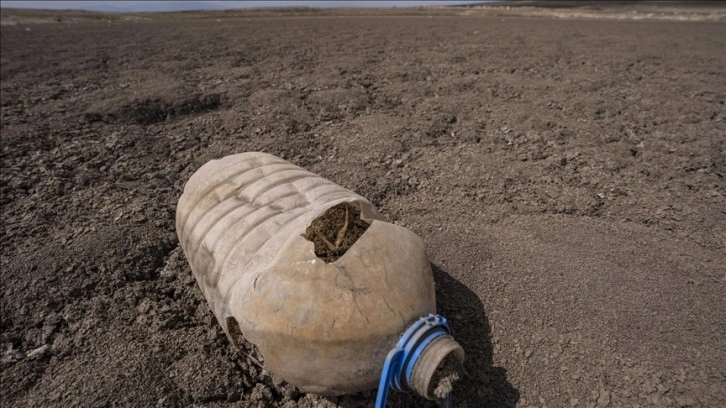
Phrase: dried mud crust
pixel 566 176
pixel 334 232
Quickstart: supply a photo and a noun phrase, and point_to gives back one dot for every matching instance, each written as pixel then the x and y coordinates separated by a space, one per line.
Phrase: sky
pixel 136 6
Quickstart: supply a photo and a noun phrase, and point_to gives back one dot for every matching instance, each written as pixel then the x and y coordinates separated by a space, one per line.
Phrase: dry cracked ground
pixel 567 176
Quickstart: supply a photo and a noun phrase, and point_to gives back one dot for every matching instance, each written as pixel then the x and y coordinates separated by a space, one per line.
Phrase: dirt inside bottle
pixel 334 232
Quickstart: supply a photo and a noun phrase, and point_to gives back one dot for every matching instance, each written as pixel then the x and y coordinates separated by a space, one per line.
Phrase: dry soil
pixel 567 176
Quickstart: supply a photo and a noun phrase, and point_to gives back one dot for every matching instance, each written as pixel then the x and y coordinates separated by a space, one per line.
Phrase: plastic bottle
pixel 246 224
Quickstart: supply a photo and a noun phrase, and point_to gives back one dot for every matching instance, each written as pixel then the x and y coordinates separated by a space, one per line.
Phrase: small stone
pixel 604 399
pixel 683 401
pixel 144 307
pixel 574 402
pixel 37 353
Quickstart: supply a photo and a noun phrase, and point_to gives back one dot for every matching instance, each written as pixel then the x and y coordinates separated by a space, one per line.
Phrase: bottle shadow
pixel 483 384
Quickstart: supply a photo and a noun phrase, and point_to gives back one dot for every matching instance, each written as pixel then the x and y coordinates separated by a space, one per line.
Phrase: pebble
pixel 604 399
pixel 685 401
pixel 38 352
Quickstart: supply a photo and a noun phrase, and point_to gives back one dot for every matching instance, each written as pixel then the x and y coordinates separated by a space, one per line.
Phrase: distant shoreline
pixel 609 10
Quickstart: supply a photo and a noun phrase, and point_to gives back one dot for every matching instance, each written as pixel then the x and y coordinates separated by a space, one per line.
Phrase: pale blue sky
pixel 131 6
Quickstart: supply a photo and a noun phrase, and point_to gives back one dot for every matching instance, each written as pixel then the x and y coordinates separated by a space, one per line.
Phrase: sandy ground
pixel 566 175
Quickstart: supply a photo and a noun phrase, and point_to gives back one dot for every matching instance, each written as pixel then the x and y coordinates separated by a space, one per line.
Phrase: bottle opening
pixel 446 375
pixel 334 232
pixel 438 369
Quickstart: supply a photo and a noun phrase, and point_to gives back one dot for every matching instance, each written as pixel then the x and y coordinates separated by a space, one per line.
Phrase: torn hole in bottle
pixel 335 231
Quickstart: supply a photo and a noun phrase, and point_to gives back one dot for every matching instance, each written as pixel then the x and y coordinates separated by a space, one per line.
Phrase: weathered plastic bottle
pixel 325 327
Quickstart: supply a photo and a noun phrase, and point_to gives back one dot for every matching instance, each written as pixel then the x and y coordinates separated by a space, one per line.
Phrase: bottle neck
pixel 426 360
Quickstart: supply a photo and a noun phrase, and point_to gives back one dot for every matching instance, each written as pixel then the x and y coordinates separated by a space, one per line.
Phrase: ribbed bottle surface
pixel 239 208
